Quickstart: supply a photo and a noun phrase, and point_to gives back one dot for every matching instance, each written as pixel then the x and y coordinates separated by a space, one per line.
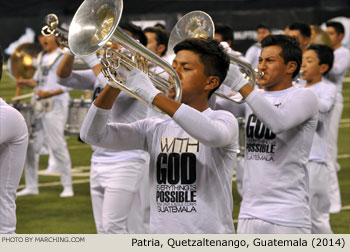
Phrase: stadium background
pixel 47 213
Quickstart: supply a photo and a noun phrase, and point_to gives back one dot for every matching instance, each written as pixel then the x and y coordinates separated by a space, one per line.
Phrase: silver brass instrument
pixel 52 27
pixel 94 24
pixel 198 24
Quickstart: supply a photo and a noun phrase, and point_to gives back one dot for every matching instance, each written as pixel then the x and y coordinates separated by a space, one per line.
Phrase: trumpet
pixel 94 24
pixel 198 24
pixel 52 27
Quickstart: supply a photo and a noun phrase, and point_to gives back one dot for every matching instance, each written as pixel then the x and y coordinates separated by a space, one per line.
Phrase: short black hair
pixel 162 36
pixel 135 30
pixel 338 27
pixel 159 25
pixel 263 26
pixel 304 29
pixel 1 60
pixel 225 31
pixel 324 53
pixel 212 55
pixel 291 50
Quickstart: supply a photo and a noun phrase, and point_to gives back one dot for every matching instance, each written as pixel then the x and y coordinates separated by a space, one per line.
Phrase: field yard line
pixel 344 125
pixel 58 183
pixel 77 147
pixel 345 208
pixel 345 120
pixel 344 156
pixel 347 79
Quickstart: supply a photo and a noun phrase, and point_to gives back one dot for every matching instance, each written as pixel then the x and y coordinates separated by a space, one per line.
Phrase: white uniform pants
pixel 49 129
pixel 113 188
pixel 319 198
pixel 9 180
pixel 258 226
pixel 332 153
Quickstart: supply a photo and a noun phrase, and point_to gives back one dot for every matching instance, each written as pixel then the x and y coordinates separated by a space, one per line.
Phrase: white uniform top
pixel 339 69
pixel 47 72
pixel 279 130
pixel 252 55
pixel 326 94
pixel 13 147
pixel 135 110
pixel 191 165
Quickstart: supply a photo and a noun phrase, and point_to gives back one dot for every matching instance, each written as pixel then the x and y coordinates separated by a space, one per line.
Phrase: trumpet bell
pixel 195 24
pixel 93 25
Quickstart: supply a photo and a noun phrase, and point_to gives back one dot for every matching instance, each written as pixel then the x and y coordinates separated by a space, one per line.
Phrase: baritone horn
pixel 198 24
pixel 94 24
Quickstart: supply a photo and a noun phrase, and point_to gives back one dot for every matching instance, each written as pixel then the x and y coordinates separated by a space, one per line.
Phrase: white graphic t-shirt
pixel 191 166
pixel 280 126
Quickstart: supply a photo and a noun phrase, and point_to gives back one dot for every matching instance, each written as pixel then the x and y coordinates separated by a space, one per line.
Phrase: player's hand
pixel 140 84
pixel 43 94
pixel 91 60
pixel 234 78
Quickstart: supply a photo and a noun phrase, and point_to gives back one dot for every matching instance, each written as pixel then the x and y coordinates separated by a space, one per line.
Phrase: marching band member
pixel 253 52
pixel 317 62
pixel 13 148
pixel 336 75
pixel 51 112
pixel 192 153
pixel 115 176
pixel 280 125
pixel 224 33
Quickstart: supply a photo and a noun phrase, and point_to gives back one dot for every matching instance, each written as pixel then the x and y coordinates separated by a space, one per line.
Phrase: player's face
pixel 272 64
pixel 312 70
pixel 49 43
pixel 262 33
pixel 334 36
pixel 152 41
pixel 190 69
pixel 218 37
pixel 301 39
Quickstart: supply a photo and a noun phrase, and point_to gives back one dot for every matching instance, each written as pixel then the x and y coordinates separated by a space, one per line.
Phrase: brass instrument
pixel 22 60
pixel 52 27
pixel 96 23
pixel 198 24
pixel 319 36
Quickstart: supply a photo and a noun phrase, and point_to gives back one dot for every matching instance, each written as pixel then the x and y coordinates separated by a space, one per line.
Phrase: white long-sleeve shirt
pixel 340 67
pixel 326 94
pixel 45 76
pixel 252 55
pixel 126 110
pixel 279 131
pixel 191 165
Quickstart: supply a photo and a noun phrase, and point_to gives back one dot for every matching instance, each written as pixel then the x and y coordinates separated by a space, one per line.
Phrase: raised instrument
pixel 94 24
pixel 198 24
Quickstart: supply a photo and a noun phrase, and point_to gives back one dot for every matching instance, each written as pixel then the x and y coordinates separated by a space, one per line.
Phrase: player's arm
pixel 97 131
pixel 26 83
pixel 214 132
pixel 340 65
pixel 47 94
pixel 303 107
pixel 82 79
pixel 327 98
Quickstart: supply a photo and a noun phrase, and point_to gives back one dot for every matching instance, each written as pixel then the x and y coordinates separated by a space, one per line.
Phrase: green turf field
pixel 48 213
